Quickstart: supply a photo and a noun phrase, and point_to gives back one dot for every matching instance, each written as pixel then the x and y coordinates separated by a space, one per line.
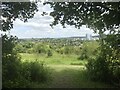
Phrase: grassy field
pixel 66 72
pixel 56 59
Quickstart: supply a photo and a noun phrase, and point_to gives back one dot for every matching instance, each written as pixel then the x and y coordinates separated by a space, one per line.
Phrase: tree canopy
pixel 13 10
pixel 100 16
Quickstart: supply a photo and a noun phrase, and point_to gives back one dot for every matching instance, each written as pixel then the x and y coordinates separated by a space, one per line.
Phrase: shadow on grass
pixel 72 78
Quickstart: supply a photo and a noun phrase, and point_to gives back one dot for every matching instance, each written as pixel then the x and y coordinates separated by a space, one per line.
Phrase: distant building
pixel 96 37
pixel 87 37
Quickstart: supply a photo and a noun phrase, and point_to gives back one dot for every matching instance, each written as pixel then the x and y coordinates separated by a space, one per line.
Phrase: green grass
pixel 56 59
pixel 74 78
pixel 66 72
pixel 65 76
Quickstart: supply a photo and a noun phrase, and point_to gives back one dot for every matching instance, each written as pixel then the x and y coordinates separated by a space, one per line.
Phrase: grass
pixel 56 59
pixel 73 78
pixel 65 76
pixel 66 72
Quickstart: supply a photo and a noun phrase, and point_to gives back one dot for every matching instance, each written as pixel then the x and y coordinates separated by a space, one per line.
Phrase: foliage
pixel 65 50
pixel 84 54
pixel 88 49
pixel 40 48
pixel 60 50
pixel 99 16
pixel 106 66
pixel 15 73
pixel 35 71
pixel 49 53
pixel 16 10
pixel 19 48
pixel 11 62
pixel 97 69
pixel 24 47
pixel 57 59
pixel 68 49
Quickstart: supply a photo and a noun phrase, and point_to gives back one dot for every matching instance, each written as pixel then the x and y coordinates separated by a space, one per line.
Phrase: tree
pixel 11 63
pixel 100 16
pixel 18 74
pixel 106 66
pixel 13 10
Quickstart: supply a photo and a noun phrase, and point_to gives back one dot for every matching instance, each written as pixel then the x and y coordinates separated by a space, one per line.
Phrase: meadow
pixel 67 62
pixel 56 59
pixel 50 63
pixel 65 71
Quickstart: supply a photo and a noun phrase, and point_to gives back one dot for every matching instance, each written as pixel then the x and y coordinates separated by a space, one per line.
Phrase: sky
pixel 39 27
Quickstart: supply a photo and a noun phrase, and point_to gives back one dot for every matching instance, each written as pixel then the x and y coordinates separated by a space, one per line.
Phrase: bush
pixel 11 63
pixel 106 66
pixel 16 74
pixel 35 71
pixel 88 50
pixel 60 50
pixel 67 50
pixel 40 48
pixel 49 53
pixel 98 69
pixel 84 54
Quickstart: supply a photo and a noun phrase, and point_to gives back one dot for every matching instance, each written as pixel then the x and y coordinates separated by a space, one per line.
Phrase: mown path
pixel 64 76
pixel 70 76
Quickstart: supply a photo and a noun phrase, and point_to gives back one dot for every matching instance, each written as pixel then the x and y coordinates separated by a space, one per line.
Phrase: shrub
pixel 16 74
pixel 49 53
pixel 40 48
pixel 35 71
pixel 84 54
pixel 68 49
pixel 11 63
pixel 88 49
pixel 106 66
pixel 60 50
pixel 97 69
pixel 19 48
pixel 77 50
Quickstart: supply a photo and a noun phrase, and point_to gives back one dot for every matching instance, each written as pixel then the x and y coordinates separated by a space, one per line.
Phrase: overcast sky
pixel 38 27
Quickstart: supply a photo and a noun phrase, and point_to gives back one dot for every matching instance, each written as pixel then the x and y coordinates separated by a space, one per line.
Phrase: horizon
pixel 39 27
pixel 62 37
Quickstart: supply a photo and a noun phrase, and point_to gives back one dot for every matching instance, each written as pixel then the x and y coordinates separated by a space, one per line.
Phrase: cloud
pixel 39 26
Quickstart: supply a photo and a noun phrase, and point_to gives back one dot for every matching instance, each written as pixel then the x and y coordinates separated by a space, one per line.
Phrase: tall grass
pixel 65 68
pixel 57 59
pixel 35 71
